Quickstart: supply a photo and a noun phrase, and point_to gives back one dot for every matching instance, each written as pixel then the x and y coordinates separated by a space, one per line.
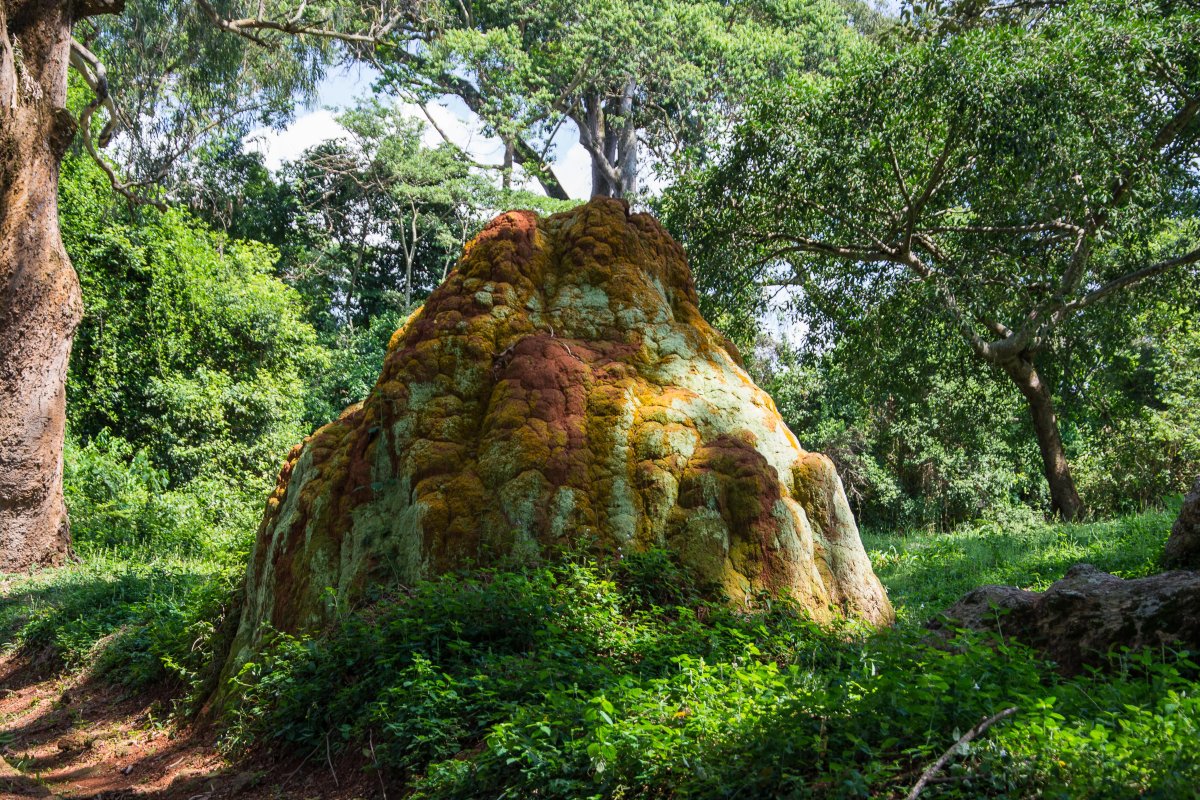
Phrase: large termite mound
pixel 559 391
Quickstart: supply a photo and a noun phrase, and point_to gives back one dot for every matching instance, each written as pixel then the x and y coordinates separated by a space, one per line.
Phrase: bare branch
pixel 937 176
pixel 899 177
pixel 375 33
pixel 95 8
pixel 936 766
pixel 1037 227
pixel 854 252
pixel 95 76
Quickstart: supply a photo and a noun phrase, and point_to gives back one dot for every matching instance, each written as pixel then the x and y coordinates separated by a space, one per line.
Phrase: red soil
pixel 78 737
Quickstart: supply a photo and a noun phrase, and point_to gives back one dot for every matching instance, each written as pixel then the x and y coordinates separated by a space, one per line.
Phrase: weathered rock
pixel 559 389
pixel 1183 545
pixel 1088 613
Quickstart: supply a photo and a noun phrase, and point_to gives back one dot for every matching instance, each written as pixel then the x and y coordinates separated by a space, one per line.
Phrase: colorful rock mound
pixel 559 390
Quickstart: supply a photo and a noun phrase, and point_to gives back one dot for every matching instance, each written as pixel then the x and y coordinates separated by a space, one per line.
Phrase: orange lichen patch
pixel 559 386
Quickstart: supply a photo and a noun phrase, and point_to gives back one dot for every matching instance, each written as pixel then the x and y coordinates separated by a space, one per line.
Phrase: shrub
pixel 119 499
pixel 570 682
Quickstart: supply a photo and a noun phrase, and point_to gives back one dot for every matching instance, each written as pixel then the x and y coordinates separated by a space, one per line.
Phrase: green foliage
pixel 379 218
pixel 138 615
pixel 183 82
pixel 118 499
pixel 666 78
pixel 919 439
pixel 987 186
pixel 1134 409
pixel 355 361
pixel 572 681
pixel 190 348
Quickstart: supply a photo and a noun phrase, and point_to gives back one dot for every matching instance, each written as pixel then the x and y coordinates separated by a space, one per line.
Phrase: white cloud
pixel 286 145
pixel 573 166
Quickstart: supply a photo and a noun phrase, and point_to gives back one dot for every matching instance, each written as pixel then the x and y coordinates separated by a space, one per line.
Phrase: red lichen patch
pixel 730 474
pixel 540 400
pixel 512 233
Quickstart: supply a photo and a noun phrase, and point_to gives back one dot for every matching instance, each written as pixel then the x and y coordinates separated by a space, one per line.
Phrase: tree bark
pixel 612 145
pixel 627 144
pixel 40 299
pixel 1064 498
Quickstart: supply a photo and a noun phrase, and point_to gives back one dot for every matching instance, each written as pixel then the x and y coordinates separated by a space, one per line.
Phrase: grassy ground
pixel 575 682
pixel 925 572
pixel 139 614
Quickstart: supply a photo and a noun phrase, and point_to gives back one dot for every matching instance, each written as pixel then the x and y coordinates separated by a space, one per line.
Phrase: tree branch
pixel 1127 280
pixel 375 34
pixel 1037 227
pixel 96 77
pixel 95 8
pixel 934 768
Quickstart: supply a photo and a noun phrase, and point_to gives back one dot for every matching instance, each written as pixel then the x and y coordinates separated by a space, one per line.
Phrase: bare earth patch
pixel 76 737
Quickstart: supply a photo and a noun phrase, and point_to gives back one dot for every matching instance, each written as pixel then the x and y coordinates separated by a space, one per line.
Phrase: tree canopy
pixel 1009 170
pixel 648 85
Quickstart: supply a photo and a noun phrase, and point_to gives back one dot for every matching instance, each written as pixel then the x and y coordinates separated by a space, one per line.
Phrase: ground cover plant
pixel 592 681
pixel 574 681
pixel 621 680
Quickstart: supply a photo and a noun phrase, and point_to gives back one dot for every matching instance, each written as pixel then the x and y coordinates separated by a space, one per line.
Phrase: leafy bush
pixel 120 500
pixel 570 682
pixel 190 347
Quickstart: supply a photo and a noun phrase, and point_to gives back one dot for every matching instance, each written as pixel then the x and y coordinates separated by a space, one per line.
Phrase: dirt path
pixel 76 738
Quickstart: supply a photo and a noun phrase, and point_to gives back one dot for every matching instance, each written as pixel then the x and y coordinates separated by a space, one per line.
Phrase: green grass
pixel 925 572
pixel 137 614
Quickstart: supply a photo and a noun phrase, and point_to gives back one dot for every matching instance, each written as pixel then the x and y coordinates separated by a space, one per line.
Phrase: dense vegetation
pixel 582 681
pixel 988 205
pixel 903 189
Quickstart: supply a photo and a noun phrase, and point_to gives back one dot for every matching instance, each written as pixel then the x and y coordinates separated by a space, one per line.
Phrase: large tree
pixel 1008 165
pixel 40 303
pixel 640 80
pixel 385 216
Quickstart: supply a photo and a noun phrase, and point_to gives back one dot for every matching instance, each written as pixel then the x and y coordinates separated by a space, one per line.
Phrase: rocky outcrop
pixel 1085 615
pixel 559 390
pixel 1183 545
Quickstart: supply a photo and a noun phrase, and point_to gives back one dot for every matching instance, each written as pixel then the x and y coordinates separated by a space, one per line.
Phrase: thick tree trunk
pixel 40 302
pixel 1064 499
pixel 613 146
pixel 627 144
